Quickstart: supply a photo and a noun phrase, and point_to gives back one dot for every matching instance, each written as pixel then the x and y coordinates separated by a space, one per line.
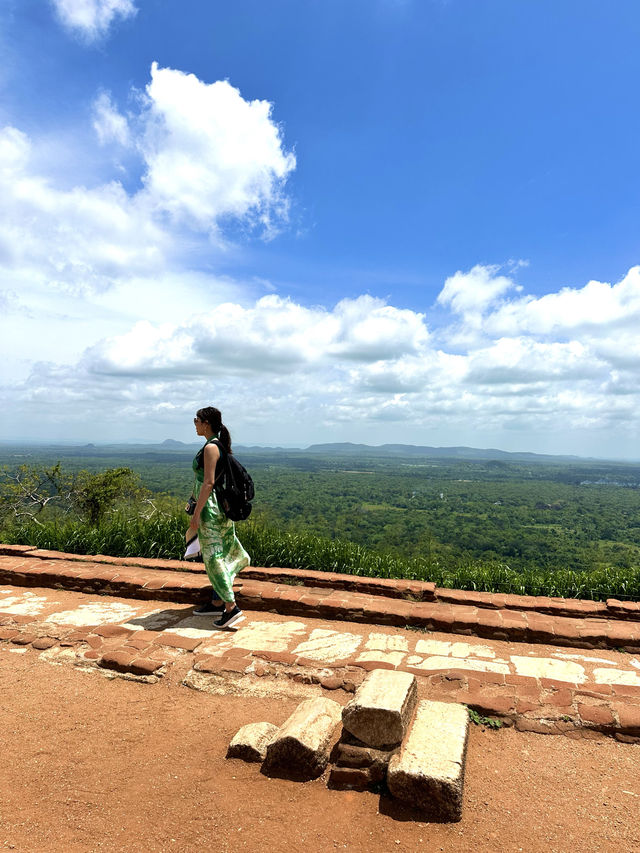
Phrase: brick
pixel 15 549
pixel 491 703
pixel 629 716
pixel 631 690
pixel 596 634
pixel 560 698
pixel 113 631
pixel 176 641
pixel 136 643
pixel 232 665
pixel 77 637
pixel 600 715
pixel 207 663
pixel 144 666
pixel 238 652
pixel 489 619
pixel 555 684
pixel 524 705
pixel 278 657
pixel 597 691
pixel 118 659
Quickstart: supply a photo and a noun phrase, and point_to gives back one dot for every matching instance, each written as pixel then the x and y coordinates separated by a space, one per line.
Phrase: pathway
pixel 537 687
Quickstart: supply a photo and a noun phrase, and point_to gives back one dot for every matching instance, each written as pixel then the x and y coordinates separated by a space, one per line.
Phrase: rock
pixel 331 682
pixel 300 750
pixel 43 643
pixel 428 772
pixel 380 712
pixel 350 778
pixel 351 755
pixel 251 741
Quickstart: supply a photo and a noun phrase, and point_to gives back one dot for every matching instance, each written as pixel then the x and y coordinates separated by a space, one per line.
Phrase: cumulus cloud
pixel 472 293
pixel 362 364
pixel 498 359
pixel 74 239
pixel 210 154
pixel 91 19
pixel 274 336
pixel 207 156
pixel 593 310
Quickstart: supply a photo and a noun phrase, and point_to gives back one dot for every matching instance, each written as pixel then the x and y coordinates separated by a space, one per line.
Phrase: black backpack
pixel 233 486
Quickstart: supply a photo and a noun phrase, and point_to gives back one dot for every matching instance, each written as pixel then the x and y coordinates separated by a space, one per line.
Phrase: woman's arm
pixel 211 456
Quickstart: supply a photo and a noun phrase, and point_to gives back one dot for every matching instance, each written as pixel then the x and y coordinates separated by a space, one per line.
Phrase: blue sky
pixel 365 220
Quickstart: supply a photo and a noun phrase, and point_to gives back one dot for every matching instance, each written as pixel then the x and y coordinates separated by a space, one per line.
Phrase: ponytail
pixel 225 438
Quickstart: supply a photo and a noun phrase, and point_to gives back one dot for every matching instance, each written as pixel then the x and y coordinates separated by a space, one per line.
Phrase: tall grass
pixel 162 536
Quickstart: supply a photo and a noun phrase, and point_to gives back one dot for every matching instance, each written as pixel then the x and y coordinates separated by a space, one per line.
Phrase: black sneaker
pixel 229 618
pixel 209 609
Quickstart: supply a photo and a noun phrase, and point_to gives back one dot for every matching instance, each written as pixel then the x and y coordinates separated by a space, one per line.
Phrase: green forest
pixel 460 521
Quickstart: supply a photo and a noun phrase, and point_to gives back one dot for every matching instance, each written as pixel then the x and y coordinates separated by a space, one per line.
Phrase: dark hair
pixel 210 415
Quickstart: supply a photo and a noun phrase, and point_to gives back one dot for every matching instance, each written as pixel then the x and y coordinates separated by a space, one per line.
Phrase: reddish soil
pixel 91 764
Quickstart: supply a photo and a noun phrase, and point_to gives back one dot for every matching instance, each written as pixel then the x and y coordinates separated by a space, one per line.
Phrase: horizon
pixel 430 239
pixel 83 444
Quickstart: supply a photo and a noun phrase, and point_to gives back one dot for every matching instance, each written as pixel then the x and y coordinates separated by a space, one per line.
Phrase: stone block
pixel 350 778
pixel 251 741
pixel 428 772
pixel 300 750
pixel 381 710
pixel 358 755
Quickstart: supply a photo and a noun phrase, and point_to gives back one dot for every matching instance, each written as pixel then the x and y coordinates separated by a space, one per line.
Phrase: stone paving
pixel 609 624
pixel 534 686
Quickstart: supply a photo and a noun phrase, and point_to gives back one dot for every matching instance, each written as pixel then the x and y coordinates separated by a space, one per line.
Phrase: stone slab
pixel 300 750
pixel 251 741
pixel 428 772
pixel 380 712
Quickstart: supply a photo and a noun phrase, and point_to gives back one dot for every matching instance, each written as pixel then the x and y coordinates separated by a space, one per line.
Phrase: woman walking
pixel 223 554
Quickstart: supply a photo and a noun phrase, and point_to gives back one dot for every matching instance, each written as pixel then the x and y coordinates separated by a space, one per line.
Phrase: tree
pixel 96 494
pixel 29 490
pixel 32 490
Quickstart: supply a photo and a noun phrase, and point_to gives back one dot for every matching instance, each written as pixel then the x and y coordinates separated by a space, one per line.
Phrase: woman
pixel 223 554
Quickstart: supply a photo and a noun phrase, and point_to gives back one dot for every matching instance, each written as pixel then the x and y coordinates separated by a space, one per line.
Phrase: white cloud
pixel 92 19
pixel 87 239
pixel 108 123
pixel 210 154
pixel 288 370
pixel 71 240
pixel 127 335
pixel 274 336
pixel 472 293
pixel 592 310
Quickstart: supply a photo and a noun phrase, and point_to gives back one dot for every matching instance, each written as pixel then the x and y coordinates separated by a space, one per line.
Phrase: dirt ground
pixel 92 764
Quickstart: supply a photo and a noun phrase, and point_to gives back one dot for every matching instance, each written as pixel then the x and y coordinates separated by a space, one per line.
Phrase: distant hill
pixel 171 442
pixel 389 450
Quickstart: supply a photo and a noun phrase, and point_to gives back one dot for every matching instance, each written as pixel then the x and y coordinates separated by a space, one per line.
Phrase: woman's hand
pixel 192 530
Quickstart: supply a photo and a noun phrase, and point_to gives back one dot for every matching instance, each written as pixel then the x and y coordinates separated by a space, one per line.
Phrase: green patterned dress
pixel 222 552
